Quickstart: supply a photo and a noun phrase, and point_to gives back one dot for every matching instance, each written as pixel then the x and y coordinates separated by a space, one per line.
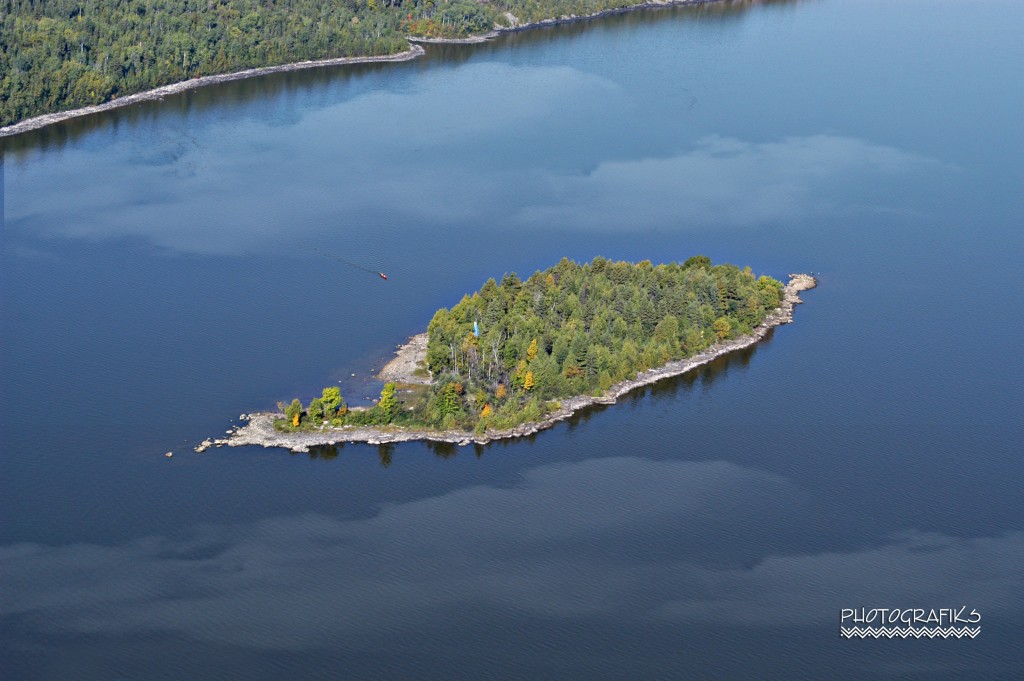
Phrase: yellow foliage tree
pixel 501 391
pixel 528 381
pixel 486 411
pixel 295 419
pixel 531 352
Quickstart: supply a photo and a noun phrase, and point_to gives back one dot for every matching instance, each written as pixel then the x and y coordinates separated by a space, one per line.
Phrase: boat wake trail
pixel 357 266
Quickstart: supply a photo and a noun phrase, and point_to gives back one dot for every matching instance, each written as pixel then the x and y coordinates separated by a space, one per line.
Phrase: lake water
pixel 168 266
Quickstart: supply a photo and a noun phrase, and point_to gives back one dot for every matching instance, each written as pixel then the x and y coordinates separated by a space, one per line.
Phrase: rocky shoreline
pixel 415 50
pixel 260 427
pixel 410 358
pixel 515 25
pixel 37 122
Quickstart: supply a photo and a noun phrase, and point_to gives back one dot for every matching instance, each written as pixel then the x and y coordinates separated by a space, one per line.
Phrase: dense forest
pixel 506 354
pixel 63 54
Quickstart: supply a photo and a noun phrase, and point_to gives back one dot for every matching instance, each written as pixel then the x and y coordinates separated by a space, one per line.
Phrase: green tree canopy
pixel 331 398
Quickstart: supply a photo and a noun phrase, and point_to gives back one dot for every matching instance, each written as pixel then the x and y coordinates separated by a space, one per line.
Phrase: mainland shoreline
pixel 260 427
pixel 515 25
pixel 44 120
pixel 415 50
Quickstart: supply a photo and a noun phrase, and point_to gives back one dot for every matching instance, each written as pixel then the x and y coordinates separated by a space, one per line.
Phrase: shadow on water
pixel 703 377
pixel 385 452
pixel 284 95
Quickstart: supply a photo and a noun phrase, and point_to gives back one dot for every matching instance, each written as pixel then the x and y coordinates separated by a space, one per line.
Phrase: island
pixel 518 356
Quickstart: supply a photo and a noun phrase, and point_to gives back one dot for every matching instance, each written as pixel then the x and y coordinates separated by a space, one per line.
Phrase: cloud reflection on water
pixel 412 156
pixel 729 182
pixel 636 539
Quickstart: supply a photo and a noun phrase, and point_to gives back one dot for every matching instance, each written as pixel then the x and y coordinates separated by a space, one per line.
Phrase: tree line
pixel 509 352
pixel 57 55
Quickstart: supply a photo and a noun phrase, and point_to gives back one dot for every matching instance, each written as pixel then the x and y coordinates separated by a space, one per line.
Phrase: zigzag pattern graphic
pixel 909 632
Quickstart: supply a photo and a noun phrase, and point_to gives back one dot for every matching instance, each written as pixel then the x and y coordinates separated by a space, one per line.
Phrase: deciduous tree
pixel 387 407
pixel 294 411
pixel 722 328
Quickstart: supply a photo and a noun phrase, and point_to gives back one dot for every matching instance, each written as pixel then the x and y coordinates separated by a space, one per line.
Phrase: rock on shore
pixel 409 359
pixel 260 429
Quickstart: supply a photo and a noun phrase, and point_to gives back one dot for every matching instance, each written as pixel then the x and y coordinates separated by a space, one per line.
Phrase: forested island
pixel 518 355
pixel 57 55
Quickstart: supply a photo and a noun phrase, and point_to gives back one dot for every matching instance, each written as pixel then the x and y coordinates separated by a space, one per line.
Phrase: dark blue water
pixel 164 269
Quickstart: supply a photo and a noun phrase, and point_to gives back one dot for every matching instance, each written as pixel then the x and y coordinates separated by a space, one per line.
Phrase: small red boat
pixel 383 276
